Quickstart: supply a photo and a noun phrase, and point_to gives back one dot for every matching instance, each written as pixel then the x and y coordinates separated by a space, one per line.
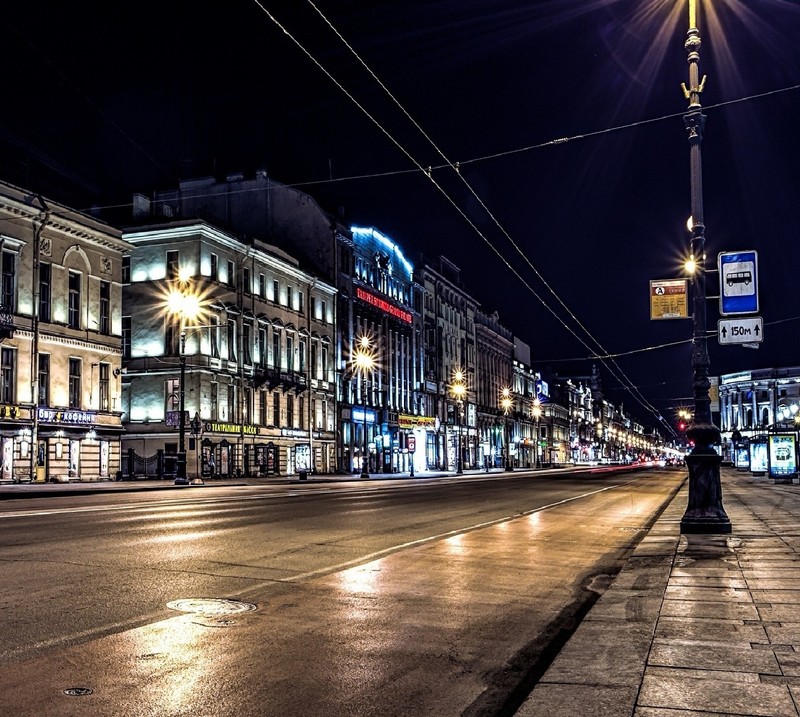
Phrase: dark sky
pixel 103 100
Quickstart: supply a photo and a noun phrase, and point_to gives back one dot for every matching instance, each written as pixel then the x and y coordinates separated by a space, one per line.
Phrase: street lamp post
pixel 704 512
pixel 185 305
pixel 364 362
pixel 458 389
pixel 537 414
pixel 181 478
pixel 506 403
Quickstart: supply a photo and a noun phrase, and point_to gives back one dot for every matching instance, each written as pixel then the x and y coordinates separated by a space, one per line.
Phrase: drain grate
pixel 78 691
pixel 211 606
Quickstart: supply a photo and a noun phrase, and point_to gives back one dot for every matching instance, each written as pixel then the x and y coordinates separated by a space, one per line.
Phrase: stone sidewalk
pixel 695 624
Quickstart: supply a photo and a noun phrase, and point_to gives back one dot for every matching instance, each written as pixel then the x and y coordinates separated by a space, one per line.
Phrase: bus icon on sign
pixel 739 277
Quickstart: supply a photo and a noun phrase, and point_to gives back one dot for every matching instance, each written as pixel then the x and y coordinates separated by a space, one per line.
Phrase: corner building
pixel 60 342
pixel 258 362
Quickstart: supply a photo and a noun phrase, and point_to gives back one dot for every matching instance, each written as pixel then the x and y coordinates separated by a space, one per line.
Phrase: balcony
pixel 271 378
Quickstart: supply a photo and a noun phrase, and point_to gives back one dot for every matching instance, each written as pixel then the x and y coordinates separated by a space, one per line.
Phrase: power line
pixel 456 167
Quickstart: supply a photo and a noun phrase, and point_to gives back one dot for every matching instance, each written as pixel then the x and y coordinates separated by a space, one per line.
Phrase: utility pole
pixel 704 513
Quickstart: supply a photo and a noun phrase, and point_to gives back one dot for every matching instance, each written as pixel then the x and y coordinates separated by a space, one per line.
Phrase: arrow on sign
pixel 741 330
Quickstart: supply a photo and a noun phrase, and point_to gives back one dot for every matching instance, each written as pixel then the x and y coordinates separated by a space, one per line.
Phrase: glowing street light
pixel 458 390
pixel 187 306
pixel 363 364
pixel 537 415
pixel 506 404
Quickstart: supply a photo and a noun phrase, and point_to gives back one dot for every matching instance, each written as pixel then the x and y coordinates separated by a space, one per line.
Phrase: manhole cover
pixel 78 691
pixel 211 606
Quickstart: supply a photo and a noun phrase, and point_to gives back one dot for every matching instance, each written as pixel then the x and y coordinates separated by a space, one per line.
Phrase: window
pixel 231 274
pixel 126 269
pixel 276 409
pixel 275 291
pixel 289 297
pixel 246 341
pixel 214 401
pixel 300 301
pixel 173 265
pixel 324 363
pixel 247 406
pixel 231 402
pixel 262 286
pixel 45 287
pixel 213 337
pixel 324 314
pixel 172 394
pixel 214 267
pixel 262 346
pixel 289 353
pixel 105 372
pixel 231 340
pixel 105 307
pixel 313 306
pixel 74 305
pixel 172 335
pixel 301 403
pixel 8 360
pixel 314 372
pixel 290 411
pixel 74 383
pixel 302 356
pixel 44 380
pixel 9 281
pixel 262 408
pixel 247 285
pixel 276 349
pixel 126 337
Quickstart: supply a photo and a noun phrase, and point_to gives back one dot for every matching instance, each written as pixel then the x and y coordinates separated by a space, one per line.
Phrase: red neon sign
pixel 384 306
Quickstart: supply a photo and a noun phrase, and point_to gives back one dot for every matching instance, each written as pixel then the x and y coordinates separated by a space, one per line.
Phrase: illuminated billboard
pixel 782 455
pixel 759 462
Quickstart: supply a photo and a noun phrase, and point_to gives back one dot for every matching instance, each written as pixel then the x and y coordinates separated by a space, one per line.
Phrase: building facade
pixel 60 342
pixel 382 420
pixel 449 347
pixel 495 367
pixel 252 364
pixel 753 402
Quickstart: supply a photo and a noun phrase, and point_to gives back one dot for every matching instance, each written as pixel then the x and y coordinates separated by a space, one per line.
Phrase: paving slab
pixel 716 695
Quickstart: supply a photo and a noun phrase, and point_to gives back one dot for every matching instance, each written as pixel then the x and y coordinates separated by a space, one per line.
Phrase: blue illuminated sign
pixel 358 414
pixel 738 283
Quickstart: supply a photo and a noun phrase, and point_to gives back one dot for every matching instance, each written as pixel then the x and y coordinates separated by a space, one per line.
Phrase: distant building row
pixel 291 342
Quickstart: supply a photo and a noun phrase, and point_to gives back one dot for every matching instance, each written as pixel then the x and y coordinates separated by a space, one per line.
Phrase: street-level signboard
pixel 669 299
pixel 738 282
pixel 741 330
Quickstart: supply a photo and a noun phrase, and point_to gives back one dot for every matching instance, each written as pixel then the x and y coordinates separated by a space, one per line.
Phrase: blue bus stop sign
pixel 738 283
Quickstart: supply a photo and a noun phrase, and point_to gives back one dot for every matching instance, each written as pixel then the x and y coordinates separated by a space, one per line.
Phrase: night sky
pixel 564 116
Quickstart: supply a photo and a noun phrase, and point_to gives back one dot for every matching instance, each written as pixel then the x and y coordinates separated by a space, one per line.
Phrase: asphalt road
pixel 442 597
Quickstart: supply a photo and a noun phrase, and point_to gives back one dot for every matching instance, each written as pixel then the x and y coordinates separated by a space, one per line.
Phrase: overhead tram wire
pixel 420 168
pixel 635 393
pixel 633 390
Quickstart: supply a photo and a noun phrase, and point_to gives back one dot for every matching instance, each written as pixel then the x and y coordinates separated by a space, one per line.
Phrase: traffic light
pixel 681 426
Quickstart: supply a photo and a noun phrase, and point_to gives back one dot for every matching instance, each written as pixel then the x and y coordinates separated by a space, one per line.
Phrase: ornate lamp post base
pixel 704 513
